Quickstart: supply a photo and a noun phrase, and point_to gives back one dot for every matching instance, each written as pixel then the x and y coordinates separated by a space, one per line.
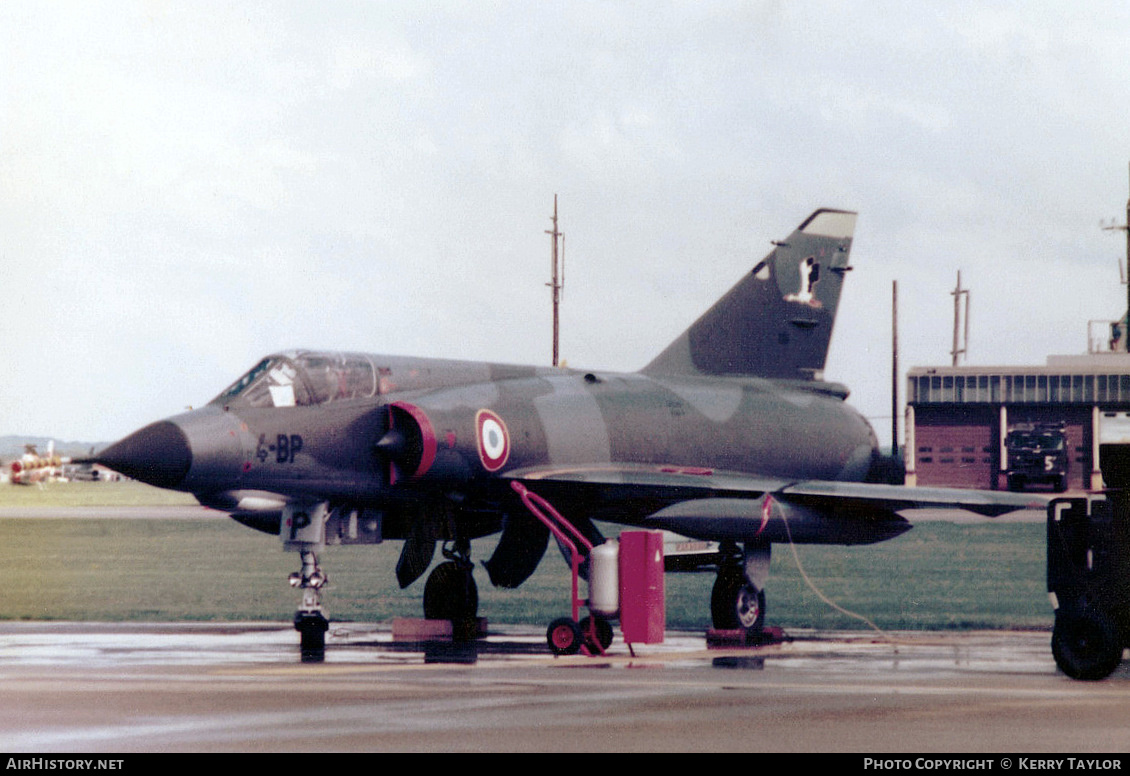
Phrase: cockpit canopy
pixel 304 378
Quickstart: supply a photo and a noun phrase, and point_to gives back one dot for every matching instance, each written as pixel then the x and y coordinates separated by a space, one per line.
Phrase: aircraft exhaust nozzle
pixel 158 454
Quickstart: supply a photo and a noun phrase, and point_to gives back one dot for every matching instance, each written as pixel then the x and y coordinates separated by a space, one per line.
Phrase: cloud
pixel 185 187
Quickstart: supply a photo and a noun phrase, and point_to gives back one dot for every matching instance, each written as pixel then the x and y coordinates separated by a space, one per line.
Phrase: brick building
pixel 958 417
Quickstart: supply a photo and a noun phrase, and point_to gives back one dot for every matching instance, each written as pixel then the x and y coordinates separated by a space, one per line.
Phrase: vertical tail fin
pixel 777 321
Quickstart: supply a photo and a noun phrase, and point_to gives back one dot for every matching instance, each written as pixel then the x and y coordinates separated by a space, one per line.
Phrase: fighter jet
pixel 33 468
pixel 731 434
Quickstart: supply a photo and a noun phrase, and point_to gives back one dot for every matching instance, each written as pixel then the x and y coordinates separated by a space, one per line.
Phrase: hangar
pixel 958 417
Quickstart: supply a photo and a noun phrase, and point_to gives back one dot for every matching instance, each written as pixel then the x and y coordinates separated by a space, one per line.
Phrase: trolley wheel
pixel 564 636
pixel 603 633
pixel 1085 646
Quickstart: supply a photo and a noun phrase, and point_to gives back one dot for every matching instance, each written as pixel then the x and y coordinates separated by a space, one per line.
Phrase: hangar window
pixel 977 388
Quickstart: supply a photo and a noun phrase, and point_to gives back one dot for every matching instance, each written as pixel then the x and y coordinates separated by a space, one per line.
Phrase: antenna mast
pixel 894 368
pixel 1124 228
pixel 957 293
pixel 557 277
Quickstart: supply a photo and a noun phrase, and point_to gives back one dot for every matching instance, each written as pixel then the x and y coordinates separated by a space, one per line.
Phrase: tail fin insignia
pixel 777 321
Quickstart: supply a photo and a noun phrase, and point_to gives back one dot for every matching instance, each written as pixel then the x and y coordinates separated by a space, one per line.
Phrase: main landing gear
pixel 737 601
pixel 450 592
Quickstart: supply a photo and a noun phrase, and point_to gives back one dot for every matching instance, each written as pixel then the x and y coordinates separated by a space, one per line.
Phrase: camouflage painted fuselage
pixel 545 418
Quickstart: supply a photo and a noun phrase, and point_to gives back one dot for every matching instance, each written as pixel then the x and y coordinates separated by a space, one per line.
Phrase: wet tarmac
pixel 92 687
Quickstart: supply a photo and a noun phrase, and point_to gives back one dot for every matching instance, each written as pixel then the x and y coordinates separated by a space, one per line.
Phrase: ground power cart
pixel 1089 582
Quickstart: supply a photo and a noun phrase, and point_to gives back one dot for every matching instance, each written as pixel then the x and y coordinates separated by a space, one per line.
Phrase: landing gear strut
pixel 310 620
pixel 303 529
pixel 450 592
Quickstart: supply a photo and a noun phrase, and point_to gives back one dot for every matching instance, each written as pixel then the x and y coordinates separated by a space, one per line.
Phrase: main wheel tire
pixel 722 612
pixel 603 633
pixel 451 593
pixel 564 636
pixel 735 603
pixel 1085 646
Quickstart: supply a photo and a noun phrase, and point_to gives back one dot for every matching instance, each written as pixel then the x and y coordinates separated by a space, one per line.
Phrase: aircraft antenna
pixel 557 277
pixel 1124 228
pixel 960 341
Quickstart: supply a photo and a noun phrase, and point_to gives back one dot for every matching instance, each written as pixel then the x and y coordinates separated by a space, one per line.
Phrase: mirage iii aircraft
pixel 730 435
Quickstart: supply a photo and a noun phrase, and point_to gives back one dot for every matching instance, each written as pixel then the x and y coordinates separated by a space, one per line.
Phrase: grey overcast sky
pixel 187 186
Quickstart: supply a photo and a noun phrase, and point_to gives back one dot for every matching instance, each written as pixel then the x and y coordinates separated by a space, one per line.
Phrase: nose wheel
pixel 311 627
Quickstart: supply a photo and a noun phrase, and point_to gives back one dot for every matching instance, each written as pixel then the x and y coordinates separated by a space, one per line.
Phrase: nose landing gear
pixel 303 529
pixel 310 620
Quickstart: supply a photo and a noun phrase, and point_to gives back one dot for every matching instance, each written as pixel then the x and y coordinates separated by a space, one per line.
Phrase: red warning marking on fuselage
pixel 696 471
pixel 494 440
pixel 766 513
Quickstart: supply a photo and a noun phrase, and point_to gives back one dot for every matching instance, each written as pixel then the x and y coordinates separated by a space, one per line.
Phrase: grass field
pixel 937 576
pixel 126 493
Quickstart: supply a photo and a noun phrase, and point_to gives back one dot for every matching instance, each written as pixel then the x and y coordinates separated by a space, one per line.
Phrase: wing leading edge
pixel 716 506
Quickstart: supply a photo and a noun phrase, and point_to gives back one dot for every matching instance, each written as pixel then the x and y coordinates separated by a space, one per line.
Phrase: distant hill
pixel 12 446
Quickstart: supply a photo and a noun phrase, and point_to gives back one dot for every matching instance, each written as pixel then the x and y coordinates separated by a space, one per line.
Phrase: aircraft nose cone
pixel 158 454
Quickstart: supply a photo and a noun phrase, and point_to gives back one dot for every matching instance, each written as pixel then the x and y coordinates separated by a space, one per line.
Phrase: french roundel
pixel 494 440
